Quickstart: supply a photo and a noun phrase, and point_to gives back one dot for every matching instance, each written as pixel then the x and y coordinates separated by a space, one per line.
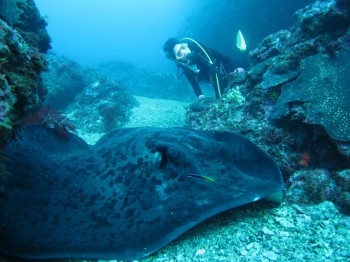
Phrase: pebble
pixel 267 231
pixel 200 252
pixel 179 257
pixel 270 255
pixel 250 245
pixel 244 252
pixel 284 222
pixel 284 234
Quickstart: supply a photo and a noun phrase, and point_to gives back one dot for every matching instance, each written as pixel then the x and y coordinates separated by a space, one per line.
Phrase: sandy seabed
pixel 158 113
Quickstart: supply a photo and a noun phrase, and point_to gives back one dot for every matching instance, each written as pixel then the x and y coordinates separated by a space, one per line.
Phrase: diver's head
pixel 168 47
pixel 181 51
pixel 175 50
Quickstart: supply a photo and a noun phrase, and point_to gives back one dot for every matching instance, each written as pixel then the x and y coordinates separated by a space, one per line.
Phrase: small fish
pixel 207 178
pixel 3 60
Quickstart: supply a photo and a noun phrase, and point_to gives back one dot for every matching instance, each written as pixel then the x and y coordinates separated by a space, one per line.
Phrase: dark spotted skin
pixel 128 195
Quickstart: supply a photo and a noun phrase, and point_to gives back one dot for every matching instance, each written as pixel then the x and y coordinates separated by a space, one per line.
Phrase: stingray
pixel 128 195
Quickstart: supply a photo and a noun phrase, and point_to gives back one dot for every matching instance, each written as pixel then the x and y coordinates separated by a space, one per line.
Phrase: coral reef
pixel 21 89
pixel 65 79
pixel 318 27
pixel 52 119
pixel 23 16
pixel 319 185
pixel 93 102
pixel 101 107
pixel 6 104
pixel 322 88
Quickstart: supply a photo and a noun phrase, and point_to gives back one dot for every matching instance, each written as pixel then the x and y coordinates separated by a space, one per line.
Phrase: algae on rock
pixel 323 87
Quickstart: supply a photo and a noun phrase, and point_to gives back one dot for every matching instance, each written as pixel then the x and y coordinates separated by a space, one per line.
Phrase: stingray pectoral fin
pixel 277 197
pixel 128 195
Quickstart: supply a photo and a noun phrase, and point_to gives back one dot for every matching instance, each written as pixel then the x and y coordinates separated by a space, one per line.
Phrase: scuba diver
pixel 200 63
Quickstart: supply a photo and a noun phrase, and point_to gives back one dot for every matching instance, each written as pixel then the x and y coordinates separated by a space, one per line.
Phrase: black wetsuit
pixel 197 60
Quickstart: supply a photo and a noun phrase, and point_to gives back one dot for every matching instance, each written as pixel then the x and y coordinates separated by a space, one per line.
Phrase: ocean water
pixel 93 32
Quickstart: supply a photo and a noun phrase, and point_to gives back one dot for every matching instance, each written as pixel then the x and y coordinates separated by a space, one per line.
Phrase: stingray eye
pixel 165 155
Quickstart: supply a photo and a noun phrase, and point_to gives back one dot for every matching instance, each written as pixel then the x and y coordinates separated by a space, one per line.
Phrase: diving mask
pixel 181 51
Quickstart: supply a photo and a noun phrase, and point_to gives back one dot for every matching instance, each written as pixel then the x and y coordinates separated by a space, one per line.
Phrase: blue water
pixel 96 31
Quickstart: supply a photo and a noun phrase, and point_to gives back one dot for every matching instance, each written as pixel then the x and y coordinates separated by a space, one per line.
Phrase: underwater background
pixel 92 32
pixel 89 67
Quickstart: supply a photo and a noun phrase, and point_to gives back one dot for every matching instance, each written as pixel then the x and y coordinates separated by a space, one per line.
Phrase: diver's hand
pixel 213 68
pixel 200 97
pixel 239 70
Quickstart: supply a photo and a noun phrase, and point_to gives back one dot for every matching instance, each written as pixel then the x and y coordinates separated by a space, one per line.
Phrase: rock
pixel 270 255
pixel 21 89
pixel 66 79
pixel 200 252
pixel 202 104
pixel 273 80
pixel 314 20
pixel 24 17
pixel 272 45
pixel 267 231
pixel 322 86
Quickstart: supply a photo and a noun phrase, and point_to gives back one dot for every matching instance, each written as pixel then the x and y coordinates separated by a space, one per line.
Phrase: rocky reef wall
pixel 23 40
pixel 294 102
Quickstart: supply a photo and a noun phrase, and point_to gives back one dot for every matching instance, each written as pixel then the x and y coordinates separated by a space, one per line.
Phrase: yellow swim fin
pixel 240 42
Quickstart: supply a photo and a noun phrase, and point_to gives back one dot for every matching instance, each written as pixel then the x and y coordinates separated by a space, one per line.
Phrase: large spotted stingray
pixel 127 196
